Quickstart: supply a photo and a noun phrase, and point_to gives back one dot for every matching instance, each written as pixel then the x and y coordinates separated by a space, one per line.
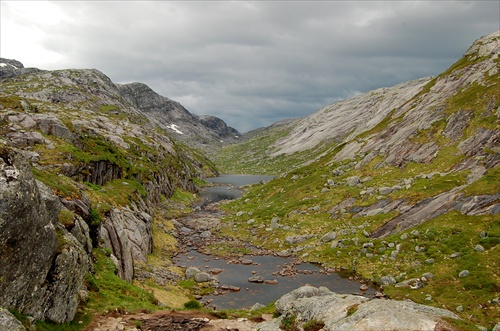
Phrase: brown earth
pixel 167 320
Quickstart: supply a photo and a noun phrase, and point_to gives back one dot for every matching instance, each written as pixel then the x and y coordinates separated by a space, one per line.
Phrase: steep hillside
pixel 82 167
pixel 203 132
pixel 399 185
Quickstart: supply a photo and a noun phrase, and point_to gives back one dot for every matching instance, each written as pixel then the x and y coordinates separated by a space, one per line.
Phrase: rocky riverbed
pixel 243 280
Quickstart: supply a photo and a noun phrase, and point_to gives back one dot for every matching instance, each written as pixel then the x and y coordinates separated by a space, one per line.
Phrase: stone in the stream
pixel 202 277
pixel 246 261
pixel 191 272
pixel 256 279
pixel 271 281
pixel 215 271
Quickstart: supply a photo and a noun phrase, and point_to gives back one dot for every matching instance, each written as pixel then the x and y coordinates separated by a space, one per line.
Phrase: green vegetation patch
pixel 110 292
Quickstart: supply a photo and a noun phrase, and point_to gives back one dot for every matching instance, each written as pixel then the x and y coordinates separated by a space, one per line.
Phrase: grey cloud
pixel 252 63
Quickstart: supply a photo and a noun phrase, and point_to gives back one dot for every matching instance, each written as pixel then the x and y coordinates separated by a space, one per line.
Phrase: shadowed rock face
pixel 42 265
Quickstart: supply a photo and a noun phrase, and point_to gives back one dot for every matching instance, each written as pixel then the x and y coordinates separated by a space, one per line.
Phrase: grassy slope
pixel 298 199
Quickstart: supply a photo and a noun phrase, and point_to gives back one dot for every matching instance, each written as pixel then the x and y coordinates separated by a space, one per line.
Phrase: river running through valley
pixel 272 276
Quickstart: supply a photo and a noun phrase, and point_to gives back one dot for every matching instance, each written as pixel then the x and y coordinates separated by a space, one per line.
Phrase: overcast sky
pixel 249 63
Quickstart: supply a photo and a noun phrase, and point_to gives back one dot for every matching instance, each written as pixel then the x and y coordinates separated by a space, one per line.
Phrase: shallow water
pixel 228 187
pixel 239 180
pixel 251 293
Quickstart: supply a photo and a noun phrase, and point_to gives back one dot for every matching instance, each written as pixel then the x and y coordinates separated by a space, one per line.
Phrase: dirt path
pixel 167 320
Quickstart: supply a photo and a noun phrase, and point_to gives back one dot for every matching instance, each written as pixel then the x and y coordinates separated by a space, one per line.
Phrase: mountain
pixel 85 163
pixel 197 131
pixel 399 185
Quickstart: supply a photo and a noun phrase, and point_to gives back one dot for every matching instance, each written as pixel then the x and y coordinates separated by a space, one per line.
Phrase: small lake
pixel 230 273
pixel 227 187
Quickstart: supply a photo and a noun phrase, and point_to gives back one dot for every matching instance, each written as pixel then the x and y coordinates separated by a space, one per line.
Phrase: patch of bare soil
pixel 169 321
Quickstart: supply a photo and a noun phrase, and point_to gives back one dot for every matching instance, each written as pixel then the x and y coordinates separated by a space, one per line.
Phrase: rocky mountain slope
pixel 197 131
pixel 84 163
pixel 400 185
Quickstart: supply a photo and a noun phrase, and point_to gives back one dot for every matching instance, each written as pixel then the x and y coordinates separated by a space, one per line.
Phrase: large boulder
pixel 42 266
pixel 353 312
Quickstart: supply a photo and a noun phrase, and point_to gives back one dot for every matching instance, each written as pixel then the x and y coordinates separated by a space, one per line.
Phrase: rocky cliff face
pixel 42 265
pixel 407 108
pixel 104 160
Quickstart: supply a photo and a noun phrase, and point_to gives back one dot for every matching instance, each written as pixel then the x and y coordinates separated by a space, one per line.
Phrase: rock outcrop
pixel 357 313
pixel 129 236
pixel 8 322
pixel 42 265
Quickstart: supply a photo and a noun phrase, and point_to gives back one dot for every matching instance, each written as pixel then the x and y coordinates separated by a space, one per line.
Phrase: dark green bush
pixel 192 304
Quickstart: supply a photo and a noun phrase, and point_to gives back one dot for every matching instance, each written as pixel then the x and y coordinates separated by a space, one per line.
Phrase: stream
pixel 273 276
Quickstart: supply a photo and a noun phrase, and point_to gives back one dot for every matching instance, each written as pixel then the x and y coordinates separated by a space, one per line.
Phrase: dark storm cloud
pixel 253 63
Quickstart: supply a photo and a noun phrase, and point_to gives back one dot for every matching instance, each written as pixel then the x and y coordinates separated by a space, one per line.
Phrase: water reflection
pixel 228 188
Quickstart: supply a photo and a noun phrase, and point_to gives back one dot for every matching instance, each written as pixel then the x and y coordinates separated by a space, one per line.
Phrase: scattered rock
pixel 256 279
pixel 191 272
pixel 352 181
pixel 257 306
pixel 202 277
pixel 387 280
pixel 329 236
pixel 463 273
pixel 385 190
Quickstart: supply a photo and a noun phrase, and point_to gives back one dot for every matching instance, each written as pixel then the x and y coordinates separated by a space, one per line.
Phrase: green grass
pixel 60 184
pixel 111 292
